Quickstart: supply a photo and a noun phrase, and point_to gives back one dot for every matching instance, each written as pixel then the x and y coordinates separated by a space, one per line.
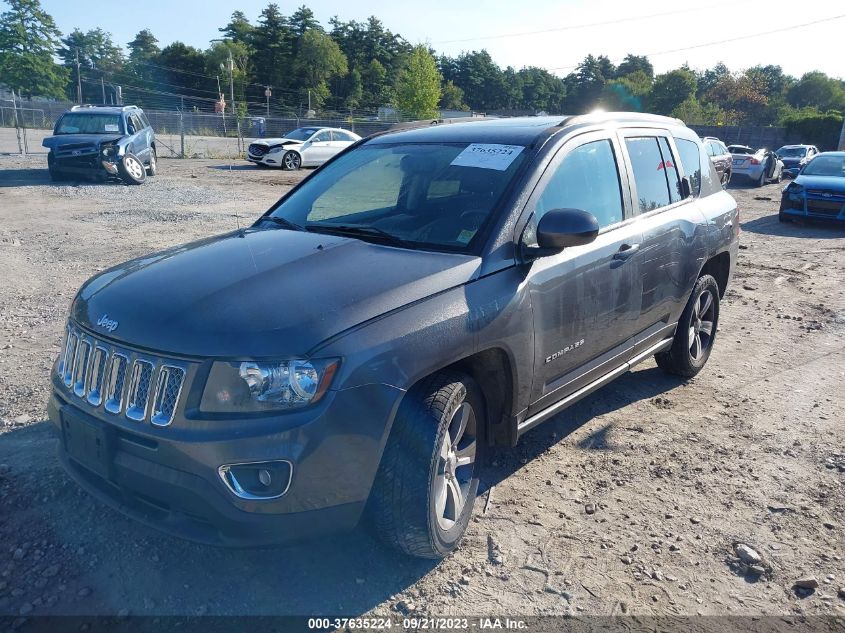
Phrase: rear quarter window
pixel 690 157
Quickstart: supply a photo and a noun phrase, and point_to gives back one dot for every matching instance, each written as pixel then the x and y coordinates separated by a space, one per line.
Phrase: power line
pixel 573 27
pixel 724 41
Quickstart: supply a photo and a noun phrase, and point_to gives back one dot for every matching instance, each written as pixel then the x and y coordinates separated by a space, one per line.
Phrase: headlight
pixel 109 150
pixel 252 386
pixel 793 189
pixel 276 150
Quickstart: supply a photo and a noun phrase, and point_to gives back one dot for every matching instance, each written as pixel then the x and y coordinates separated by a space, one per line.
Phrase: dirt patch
pixel 635 501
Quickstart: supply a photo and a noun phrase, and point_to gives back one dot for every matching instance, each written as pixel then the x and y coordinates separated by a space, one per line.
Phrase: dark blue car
pixel 818 192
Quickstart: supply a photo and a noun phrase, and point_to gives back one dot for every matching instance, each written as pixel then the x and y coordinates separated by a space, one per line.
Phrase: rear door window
pixel 691 160
pixel 670 168
pixel 649 173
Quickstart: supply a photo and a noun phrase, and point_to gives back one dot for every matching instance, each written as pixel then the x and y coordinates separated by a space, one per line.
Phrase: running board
pixel 529 423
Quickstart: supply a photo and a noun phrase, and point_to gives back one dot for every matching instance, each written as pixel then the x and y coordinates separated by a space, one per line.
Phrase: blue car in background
pixel 818 192
pixel 796 156
pixel 102 142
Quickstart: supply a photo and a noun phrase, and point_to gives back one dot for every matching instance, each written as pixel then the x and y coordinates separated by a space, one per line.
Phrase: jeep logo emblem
pixel 107 324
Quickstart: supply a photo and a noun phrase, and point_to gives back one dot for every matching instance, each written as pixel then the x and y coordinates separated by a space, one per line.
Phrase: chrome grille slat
pixel 80 366
pixel 116 380
pixel 139 390
pixel 168 389
pixel 140 387
pixel 97 374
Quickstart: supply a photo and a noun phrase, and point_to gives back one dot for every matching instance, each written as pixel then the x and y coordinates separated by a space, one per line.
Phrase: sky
pixel 551 34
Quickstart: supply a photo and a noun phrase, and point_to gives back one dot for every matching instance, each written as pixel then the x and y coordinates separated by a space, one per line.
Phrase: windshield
pixel 302 133
pixel 792 152
pixel 89 123
pixel 826 166
pixel 435 195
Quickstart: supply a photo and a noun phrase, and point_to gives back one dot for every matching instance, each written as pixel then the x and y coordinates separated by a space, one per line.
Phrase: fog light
pixel 109 166
pixel 257 480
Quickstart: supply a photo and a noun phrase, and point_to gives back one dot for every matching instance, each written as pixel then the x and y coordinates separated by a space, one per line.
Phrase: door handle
pixel 626 251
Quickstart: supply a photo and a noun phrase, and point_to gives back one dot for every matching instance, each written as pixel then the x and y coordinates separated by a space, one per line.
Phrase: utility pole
pixel 232 95
pixel 17 125
pixel 78 80
pixel 309 100
pixel 268 93
pixel 103 86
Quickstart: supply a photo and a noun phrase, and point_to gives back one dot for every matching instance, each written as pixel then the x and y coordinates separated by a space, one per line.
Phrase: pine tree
pixel 28 40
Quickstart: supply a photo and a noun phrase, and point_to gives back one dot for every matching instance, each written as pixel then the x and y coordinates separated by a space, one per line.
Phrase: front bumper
pixel 273 160
pixel 168 477
pixel 812 208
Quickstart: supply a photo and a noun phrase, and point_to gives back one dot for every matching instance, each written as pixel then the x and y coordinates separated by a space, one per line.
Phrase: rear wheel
pixel 152 168
pixel 428 478
pixel 696 332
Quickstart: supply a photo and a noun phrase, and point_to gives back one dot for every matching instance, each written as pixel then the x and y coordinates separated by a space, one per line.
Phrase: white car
pixel 303 147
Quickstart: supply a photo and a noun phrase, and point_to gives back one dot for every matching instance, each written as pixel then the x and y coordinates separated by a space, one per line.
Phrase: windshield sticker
pixel 112 127
pixel 465 236
pixel 488 156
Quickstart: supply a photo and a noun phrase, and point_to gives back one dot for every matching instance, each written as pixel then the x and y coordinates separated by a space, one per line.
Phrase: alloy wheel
pixel 292 160
pixel 701 325
pixel 134 167
pixel 455 466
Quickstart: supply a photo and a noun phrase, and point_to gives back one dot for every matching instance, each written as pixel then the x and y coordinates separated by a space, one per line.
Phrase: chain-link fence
pixel 23 125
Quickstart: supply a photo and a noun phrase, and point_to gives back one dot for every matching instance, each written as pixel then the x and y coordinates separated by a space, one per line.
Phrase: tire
pixel 693 343
pixel 56 175
pixel 415 503
pixel 727 178
pixel 291 161
pixel 152 168
pixel 131 169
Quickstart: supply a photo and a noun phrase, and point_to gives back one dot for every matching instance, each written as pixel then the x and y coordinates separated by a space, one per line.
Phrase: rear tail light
pixel 754 161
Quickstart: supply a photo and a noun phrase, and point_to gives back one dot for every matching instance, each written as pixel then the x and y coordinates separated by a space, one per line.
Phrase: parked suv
pixel 424 295
pixel 102 141
pixel 721 157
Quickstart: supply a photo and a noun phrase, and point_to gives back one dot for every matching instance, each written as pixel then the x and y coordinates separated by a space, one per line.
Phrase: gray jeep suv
pixel 424 295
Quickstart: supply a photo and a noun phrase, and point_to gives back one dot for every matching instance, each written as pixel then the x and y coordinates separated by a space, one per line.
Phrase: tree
pixel 452 97
pixel 633 64
pixel 218 55
pixel 711 77
pixel 671 89
pixel 740 98
pixel 818 90
pixel 585 85
pixel 418 86
pixel 627 94
pixel 239 28
pixel 272 41
pixel 28 38
pixel 319 60
pixel 95 48
pixel 144 48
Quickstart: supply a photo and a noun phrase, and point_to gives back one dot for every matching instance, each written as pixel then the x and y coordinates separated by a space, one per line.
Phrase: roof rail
pixel 87 106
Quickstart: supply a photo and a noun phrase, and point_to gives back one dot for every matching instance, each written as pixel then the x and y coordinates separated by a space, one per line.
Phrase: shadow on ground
pixel 128 566
pixel 809 229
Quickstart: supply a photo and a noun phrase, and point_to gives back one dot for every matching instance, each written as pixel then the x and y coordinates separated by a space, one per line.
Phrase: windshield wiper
pixel 356 230
pixel 282 222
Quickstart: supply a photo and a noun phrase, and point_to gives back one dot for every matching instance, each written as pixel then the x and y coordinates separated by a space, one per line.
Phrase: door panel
pixel 586 299
pixel 586 304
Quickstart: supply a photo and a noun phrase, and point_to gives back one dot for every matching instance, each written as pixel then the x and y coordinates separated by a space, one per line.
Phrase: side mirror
pixel 131 129
pixel 560 228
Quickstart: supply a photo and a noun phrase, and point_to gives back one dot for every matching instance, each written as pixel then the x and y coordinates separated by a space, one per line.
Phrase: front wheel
pixel 696 331
pixel 427 481
pixel 132 170
pixel 291 161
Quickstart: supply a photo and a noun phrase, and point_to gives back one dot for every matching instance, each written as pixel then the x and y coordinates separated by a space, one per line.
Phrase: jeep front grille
pixel 120 381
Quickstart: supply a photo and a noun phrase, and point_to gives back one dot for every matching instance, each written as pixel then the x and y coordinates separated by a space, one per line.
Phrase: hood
pixel 826 183
pixel 260 293
pixel 790 161
pixel 273 142
pixel 65 140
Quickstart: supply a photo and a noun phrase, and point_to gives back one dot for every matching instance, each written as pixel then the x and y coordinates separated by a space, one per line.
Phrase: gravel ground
pixel 719 496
